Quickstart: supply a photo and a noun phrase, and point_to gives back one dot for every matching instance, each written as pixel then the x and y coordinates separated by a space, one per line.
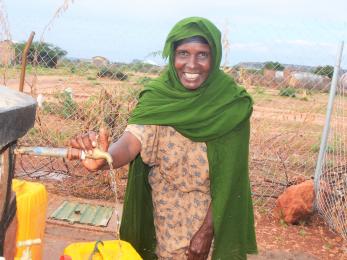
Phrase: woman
pixel 187 141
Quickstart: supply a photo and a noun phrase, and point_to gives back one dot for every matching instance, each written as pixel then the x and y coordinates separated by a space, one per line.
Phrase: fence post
pixel 325 134
pixel 24 61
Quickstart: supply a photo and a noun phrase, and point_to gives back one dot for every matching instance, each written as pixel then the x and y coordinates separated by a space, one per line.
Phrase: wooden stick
pixel 24 61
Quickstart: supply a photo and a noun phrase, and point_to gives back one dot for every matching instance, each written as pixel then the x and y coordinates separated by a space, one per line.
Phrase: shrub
pixel 66 106
pixel 255 71
pixel 324 71
pixel 270 65
pixel 112 74
pixel 40 53
pixel 288 92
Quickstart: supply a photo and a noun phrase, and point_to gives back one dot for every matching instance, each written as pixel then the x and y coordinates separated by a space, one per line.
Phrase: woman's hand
pixel 87 142
pixel 200 244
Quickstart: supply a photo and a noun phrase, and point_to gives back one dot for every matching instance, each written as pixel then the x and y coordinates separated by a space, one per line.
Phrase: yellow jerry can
pixel 31 198
pixel 102 250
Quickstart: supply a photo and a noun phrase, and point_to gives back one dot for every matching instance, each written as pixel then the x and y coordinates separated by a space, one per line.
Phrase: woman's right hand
pixel 87 142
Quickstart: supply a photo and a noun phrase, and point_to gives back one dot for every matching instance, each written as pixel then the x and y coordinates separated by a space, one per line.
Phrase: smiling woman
pixel 188 194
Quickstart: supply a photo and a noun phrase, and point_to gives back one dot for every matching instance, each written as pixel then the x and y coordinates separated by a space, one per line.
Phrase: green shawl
pixel 217 113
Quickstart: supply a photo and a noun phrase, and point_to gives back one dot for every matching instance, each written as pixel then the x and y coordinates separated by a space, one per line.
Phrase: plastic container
pixel 110 250
pixel 31 213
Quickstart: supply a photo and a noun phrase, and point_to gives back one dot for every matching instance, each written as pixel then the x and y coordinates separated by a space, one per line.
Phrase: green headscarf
pixel 216 113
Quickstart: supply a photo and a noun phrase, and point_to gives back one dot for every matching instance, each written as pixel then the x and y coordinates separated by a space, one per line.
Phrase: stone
pixel 295 203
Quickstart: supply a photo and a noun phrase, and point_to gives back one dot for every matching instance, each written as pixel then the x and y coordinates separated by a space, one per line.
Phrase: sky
pixel 303 32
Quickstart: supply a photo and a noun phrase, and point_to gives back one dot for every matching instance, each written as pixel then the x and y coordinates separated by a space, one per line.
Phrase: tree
pixel 326 70
pixel 40 53
pixel 270 65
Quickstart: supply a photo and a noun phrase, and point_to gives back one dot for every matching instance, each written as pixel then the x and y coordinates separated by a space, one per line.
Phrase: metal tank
pixel 17 116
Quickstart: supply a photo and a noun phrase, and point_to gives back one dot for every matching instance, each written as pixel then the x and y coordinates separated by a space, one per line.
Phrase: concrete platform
pixel 60 234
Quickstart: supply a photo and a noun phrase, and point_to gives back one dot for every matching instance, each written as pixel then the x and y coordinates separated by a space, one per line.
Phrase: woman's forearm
pixel 124 150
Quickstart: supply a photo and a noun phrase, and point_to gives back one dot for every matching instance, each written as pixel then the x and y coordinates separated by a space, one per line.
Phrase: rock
pixel 295 203
pixel 297 180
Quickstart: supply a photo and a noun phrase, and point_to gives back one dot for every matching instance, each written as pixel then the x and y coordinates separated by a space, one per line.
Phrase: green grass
pixel 65 107
pixel 288 92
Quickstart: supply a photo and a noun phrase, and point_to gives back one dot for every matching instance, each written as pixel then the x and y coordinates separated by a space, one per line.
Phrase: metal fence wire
pixel 331 181
pixel 79 95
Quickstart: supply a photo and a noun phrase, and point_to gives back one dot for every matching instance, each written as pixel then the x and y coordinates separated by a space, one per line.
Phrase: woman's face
pixel 192 63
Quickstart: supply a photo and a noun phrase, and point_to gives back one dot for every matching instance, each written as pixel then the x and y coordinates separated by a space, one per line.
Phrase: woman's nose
pixel 191 63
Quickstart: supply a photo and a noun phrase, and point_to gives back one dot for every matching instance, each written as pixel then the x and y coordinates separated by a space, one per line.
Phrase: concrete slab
pixel 60 234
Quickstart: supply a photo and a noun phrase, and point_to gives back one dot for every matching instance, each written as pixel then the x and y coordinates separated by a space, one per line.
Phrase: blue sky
pixel 296 31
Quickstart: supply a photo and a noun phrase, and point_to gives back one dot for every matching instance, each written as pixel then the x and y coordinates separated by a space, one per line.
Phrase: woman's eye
pixel 182 53
pixel 203 54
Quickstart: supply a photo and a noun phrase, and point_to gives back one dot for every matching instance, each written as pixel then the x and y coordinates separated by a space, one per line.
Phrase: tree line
pixel 47 55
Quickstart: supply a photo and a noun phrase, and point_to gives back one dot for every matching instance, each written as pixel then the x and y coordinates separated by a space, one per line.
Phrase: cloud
pixel 307 44
pixel 252 47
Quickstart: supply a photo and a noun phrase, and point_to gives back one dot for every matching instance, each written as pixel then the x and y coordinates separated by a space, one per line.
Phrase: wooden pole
pixel 24 61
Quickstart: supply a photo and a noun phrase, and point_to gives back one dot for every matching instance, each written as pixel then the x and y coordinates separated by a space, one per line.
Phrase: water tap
pixel 68 153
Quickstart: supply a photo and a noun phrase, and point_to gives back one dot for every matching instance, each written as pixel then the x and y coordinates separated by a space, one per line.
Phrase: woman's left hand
pixel 200 244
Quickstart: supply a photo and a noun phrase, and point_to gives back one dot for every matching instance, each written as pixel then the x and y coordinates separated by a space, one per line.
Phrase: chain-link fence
pixel 76 95
pixel 331 172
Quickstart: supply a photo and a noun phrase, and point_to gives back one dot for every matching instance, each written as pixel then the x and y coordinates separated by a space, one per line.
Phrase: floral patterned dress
pixel 179 178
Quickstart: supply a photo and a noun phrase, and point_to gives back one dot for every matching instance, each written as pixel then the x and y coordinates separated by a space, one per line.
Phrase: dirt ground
pixel 311 240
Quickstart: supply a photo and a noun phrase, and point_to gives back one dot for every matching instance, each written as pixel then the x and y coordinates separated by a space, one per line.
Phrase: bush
pixel 255 71
pixel 324 71
pixel 112 74
pixel 141 66
pixel 270 65
pixel 66 106
pixel 40 53
pixel 288 92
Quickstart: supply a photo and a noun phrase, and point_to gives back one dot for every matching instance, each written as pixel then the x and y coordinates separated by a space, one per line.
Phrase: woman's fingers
pixel 84 142
pixel 91 140
pixel 74 143
pixel 103 139
pixel 93 137
pixel 80 141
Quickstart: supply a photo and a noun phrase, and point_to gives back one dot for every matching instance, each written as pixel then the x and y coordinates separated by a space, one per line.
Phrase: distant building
pixel 7 52
pixel 309 80
pixel 100 61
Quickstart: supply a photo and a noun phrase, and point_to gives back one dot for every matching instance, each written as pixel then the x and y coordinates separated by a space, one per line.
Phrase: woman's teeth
pixel 191 76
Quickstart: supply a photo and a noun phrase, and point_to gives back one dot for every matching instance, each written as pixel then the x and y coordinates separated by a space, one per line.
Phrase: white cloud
pixel 252 47
pixel 307 44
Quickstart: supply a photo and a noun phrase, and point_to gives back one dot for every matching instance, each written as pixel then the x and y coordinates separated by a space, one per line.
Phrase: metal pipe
pixel 325 134
pixel 43 151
